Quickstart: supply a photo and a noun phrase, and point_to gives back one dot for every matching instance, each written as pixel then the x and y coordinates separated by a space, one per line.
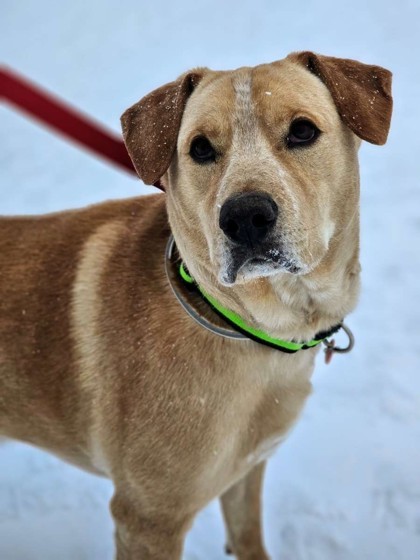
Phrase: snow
pixel 346 484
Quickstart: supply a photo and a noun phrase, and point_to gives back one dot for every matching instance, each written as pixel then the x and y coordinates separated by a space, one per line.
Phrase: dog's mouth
pixel 239 266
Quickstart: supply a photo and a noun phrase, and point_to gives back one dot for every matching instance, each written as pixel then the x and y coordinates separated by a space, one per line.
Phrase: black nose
pixel 247 218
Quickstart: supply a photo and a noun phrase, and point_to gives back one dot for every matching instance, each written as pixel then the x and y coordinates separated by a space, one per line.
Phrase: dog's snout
pixel 246 219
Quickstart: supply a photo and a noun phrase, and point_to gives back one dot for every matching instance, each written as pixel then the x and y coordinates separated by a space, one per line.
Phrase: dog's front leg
pixel 241 506
pixel 143 535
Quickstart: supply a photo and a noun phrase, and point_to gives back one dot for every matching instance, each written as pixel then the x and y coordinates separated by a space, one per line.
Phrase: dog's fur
pixel 99 363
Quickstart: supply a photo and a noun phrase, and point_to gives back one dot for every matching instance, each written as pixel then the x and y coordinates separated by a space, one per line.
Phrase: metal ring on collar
pixel 330 344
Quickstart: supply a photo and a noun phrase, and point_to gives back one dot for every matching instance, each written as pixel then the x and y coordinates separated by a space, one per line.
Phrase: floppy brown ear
pixel 150 127
pixel 361 93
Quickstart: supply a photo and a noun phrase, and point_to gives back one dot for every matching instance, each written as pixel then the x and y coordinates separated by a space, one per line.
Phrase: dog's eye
pixel 202 151
pixel 302 132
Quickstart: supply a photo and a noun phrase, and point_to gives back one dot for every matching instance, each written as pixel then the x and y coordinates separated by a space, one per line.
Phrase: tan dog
pixel 98 361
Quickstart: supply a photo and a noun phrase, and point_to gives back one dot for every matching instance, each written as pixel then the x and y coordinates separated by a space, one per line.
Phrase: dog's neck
pixel 299 307
pixel 289 306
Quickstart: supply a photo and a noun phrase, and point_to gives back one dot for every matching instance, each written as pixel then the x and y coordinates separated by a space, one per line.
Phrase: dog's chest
pixel 270 392
pixel 269 422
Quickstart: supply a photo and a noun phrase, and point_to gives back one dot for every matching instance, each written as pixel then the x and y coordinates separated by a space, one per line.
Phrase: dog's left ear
pixel 150 127
pixel 361 92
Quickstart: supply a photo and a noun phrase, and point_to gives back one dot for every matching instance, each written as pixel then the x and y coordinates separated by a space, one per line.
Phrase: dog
pixel 179 404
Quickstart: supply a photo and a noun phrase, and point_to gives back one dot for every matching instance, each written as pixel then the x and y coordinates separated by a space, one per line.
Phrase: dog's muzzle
pixel 251 244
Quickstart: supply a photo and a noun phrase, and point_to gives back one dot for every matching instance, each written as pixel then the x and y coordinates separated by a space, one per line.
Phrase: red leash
pixel 64 119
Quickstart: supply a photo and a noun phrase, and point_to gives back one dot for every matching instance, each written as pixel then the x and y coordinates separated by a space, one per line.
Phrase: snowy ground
pixel 346 485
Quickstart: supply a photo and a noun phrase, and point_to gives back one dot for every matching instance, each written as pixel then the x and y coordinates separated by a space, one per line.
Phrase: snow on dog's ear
pixel 361 92
pixel 150 127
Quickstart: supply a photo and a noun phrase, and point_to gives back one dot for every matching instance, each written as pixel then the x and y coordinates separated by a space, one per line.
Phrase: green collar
pixel 239 324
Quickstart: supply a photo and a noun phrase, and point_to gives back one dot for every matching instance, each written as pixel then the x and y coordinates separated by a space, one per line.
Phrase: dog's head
pixel 260 164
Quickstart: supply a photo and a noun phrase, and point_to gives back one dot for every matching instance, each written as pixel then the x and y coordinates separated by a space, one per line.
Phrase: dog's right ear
pixel 150 127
